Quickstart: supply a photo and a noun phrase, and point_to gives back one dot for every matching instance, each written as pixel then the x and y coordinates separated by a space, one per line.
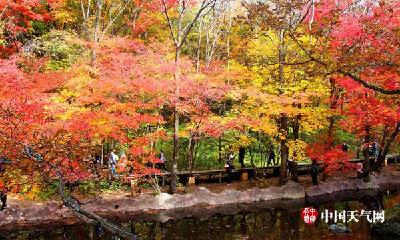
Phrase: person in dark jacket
pixel 345 147
pixel 374 150
pixel 271 156
pixel 314 172
pixel 242 153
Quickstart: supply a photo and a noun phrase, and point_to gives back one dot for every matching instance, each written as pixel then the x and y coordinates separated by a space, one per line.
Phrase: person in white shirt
pixel 113 159
pixel 162 161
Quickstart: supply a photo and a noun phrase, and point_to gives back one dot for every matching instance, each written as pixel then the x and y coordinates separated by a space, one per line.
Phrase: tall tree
pixel 179 30
pixel 275 21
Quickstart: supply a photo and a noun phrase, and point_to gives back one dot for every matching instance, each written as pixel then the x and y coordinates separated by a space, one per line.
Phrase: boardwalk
pixel 303 168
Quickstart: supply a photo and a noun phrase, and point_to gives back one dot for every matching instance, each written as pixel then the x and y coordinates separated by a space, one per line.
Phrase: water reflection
pixel 268 224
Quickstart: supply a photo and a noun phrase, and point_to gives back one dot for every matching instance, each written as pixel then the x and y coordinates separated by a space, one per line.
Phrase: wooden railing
pixel 303 168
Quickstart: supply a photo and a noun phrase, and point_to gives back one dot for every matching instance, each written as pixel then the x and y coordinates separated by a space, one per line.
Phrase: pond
pixel 266 224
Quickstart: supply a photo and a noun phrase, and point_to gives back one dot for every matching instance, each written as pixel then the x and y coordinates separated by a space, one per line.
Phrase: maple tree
pixel 360 42
pixel 16 17
pixel 27 125
pixel 179 31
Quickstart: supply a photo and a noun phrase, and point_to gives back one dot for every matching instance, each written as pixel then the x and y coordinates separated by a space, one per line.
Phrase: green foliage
pixel 345 136
pixel 62 48
pixel 114 185
pixel 146 186
pixel 88 187
pixel 49 191
pixel 40 28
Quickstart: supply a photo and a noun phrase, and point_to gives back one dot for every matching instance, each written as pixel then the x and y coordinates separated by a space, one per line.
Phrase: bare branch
pixel 171 30
pixel 112 20
pixel 83 10
pixel 204 5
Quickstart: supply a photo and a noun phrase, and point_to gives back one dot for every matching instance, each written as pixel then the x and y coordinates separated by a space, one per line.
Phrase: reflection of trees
pixel 371 203
pixel 284 225
pixel 294 224
pixel 289 224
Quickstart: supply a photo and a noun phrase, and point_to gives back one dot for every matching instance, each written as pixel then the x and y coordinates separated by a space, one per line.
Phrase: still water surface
pixel 267 224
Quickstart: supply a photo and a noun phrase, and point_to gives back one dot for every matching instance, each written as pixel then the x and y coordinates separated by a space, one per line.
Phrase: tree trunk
pixel 385 150
pixel 251 156
pixel 199 46
pixel 284 150
pixel 175 155
pixel 179 40
pixel 102 154
pixel 174 166
pixel 295 172
pixel 333 105
pixel 99 8
pixel 283 124
pixel 367 167
pixel 190 155
pixel 220 150
pixel 296 127
pixel 296 135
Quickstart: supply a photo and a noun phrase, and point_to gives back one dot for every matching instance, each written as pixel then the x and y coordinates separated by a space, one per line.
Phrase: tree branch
pixel 111 21
pixel 73 204
pixel 171 30
pixel 346 73
pixel 186 30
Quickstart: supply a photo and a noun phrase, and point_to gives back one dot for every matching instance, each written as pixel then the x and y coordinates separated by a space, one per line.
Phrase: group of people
pixel 242 152
pixel 271 160
pixel 370 150
pixel 112 160
pixel 115 160
pixel 229 166
pixel 373 150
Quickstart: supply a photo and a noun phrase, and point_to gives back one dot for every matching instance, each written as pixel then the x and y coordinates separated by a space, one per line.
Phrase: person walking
pixel 229 165
pixel 96 163
pixel 345 147
pixel 271 156
pixel 242 153
pixel 375 150
pixel 112 161
pixel 314 172
pixel 360 170
pixel 163 160
pixel 290 165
